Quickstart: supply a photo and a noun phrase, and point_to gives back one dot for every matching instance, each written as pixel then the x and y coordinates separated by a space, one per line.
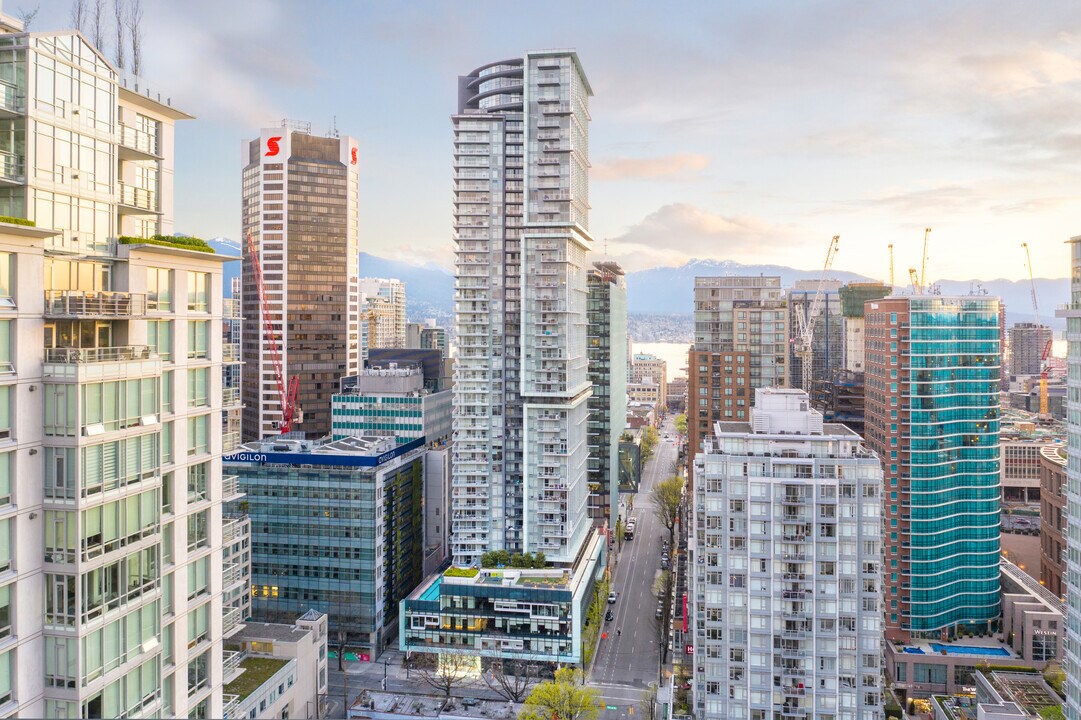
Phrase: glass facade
pixel 1072 576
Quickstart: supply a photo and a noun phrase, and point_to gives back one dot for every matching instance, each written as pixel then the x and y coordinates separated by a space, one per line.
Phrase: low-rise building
pixel 390 402
pixel 277 671
pixel 1053 518
pixel 335 526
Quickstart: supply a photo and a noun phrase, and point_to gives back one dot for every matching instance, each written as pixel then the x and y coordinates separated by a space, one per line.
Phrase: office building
pixel 384 309
pixel 828 341
pixel 607 333
pixel 299 203
pixel 740 342
pixel 853 297
pixel 337 527
pixel 426 336
pixel 1053 513
pixel 1020 466
pixel 1027 344
pixel 932 385
pixel 645 393
pixel 521 384
pixel 785 567
pixel 677 395
pixel 391 402
pixel 435 368
pixel 1072 575
pixel 647 369
pixel 110 401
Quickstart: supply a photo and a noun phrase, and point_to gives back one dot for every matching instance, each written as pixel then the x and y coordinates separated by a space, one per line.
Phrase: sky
pixel 726 130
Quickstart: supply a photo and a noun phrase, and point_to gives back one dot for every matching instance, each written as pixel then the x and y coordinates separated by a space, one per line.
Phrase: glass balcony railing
pixel 139 140
pixel 140 198
pixel 231 621
pixel 230 397
pixel 230 487
pixel 103 304
pixel 230 441
pixel 12 167
pixel 230 352
pixel 86 356
pixel 230 704
pixel 11 99
pixel 231 575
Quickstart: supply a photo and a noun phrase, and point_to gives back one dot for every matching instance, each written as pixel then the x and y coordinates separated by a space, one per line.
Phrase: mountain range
pixel 670 290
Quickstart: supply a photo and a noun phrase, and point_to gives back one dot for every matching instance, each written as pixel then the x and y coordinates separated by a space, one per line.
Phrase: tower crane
pixel 923 265
pixel 914 278
pixel 287 394
pixel 1045 355
pixel 891 266
pixel 805 323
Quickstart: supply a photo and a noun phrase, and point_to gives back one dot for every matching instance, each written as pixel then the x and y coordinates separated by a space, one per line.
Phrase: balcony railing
pixel 231 621
pixel 80 304
pixel 231 527
pixel 230 441
pixel 230 704
pixel 11 99
pixel 139 140
pixel 230 352
pixel 138 197
pixel 230 397
pixel 231 660
pixel 230 487
pixel 86 356
pixel 12 167
pixel 231 574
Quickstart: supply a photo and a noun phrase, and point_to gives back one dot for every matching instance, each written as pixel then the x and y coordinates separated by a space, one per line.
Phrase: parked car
pixel 611 598
pixel 664 564
pixel 608 615
pixel 660 611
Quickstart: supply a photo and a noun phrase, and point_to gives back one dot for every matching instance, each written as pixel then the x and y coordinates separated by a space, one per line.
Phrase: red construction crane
pixel 1045 413
pixel 287 397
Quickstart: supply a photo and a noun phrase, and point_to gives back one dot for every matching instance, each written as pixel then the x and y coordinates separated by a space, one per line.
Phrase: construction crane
pixel 1045 355
pixel 914 278
pixel 805 323
pixel 891 265
pixel 923 264
pixel 287 395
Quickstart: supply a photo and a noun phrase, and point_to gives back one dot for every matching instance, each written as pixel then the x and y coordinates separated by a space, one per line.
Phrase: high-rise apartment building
pixel 785 567
pixel 647 369
pixel 828 342
pixel 741 342
pixel 426 336
pixel 384 311
pixel 1027 343
pixel 1053 514
pixel 607 312
pixel 521 384
pixel 110 402
pixel 932 383
pixel 300 205
pixel 853 297
pixel 1072 574
pixel 521 220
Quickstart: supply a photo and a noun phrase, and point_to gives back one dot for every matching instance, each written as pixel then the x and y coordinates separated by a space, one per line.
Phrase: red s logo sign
pixel 353 156
pixel 272 145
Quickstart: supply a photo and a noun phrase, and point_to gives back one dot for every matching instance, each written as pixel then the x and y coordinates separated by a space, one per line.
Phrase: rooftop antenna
pixel 333 127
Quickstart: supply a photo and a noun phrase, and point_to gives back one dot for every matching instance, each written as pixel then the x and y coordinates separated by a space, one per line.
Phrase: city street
pixel 629 660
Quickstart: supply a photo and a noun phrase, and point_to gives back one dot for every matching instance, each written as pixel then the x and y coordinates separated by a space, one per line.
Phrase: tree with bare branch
pixel 135 34
pixel 27 16
pixel 97 27
pixel 78 14
pixel 511 679
pixel 449 671
pixel 118 18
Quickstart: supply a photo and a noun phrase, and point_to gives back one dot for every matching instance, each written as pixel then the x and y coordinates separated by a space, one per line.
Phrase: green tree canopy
pixel 681 424
pixel 667 495
pixel 564 698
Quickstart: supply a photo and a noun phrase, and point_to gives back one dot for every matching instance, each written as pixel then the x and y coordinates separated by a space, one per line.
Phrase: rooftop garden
pixel 182 242
pixel 461 572
pixel 257 670
pixel 502 558
pixel 17 221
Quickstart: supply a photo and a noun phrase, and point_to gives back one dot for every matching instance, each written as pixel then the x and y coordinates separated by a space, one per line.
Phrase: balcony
pixel 231 666
pixel 80 305
pixel 230 352
pixel 12 169
pixel 137 201
pixel 231 575
pixel 230 441
pixel 230 397
pixel 83 364
pixel 230 704
pixel 230 488
pixel 12 101
pixel 231 622
pixel 231 528
pixel 136 144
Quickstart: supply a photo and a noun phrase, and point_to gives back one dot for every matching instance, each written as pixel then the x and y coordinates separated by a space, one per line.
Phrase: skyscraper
pixel 608 374
pixel 384 310
pixel 932 384
pixel 1072 574
pixel 299 204
pixel 785 567
pixel 1027 343
pixel 521 220
pixel 828 343
pixel 110 402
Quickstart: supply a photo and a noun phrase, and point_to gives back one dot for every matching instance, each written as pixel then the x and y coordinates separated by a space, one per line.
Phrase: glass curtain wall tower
pixel 521 222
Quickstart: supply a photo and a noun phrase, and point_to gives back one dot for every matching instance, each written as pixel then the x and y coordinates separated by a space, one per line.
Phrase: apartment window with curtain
pixel 6 360
pixel 7 279
pixel 159 289
pixel 198 578
pixel 159 337
pixel 198 441
pixel 198 292
pixel 198 336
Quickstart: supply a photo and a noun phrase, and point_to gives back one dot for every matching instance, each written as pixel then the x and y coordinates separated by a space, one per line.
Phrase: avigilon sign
pixel 273 458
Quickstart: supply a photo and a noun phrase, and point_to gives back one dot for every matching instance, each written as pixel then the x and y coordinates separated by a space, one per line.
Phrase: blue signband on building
pixel 263 458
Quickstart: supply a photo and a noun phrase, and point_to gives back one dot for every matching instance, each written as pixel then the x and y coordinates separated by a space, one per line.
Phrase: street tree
pixel 511 679
pixel 667 495
pixel 649 442
pixel 681 424
pixel 648 704
pixel 564 698
pixel 449 671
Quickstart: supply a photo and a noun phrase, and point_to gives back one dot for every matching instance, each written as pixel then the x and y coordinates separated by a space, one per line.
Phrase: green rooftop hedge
pixel 177 241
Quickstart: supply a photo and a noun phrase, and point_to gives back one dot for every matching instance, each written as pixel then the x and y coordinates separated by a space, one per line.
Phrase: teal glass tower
pixel 933 378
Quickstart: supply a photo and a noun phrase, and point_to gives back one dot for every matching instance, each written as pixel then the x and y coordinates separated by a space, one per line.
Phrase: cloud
pixel 679 166
pixel 942 200
pixel 1001 73
pixel 679 232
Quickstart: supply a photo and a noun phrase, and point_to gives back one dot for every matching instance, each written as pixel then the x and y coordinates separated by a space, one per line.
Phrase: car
pixel 470 702
pixel 611 598
pixel 664 564
pixel 608 615
pixel 664 556
pixel 660 611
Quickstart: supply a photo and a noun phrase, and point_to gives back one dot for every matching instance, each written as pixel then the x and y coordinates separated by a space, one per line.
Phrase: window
pixel 159 289
pixel 60 600
pixel 6 367
pixel 198 580
pixel 197 435
pixel 198 625
pixel 198 291
pixel 197 339
pixel 5 411
pixel 7 279
pixel 198 669
pixel 197 387
pixel 198 480
pixel 167 430
pixel 198 530
pixel 5 611
pixel 5 478
pixel 159 337
pixel 167 391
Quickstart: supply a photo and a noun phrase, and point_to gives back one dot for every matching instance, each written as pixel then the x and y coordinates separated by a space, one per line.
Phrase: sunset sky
pixel 744 131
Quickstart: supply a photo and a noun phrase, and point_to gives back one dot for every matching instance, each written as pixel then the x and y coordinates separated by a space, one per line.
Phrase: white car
pixel 611 598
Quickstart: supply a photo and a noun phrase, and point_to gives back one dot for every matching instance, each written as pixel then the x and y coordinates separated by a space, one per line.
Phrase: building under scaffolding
pixel 841 399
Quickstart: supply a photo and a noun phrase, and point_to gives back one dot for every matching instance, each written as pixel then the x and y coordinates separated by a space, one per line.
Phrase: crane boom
pixel 1045 356
pixel 923 266
pixel 287 395
pixel 805 322
pixel 914 278
pixel 891 265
